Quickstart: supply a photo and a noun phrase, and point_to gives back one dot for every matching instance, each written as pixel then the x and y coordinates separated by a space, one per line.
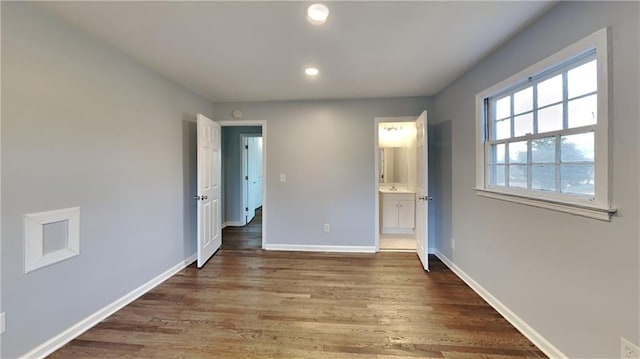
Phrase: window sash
pixel 490 161
pixel 534 81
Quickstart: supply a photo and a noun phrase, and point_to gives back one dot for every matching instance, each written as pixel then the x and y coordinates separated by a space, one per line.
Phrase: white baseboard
pixel 71 333
pixel 316 248
pixel 536 338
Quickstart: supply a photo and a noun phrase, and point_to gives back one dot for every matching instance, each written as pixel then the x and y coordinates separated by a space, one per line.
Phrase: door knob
pixel 197 198
pixel 425 198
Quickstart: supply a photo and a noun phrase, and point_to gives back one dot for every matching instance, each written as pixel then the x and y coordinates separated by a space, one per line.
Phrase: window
pixel 543 133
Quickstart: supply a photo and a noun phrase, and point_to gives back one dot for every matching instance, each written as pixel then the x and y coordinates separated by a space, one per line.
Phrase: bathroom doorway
pixel 396 184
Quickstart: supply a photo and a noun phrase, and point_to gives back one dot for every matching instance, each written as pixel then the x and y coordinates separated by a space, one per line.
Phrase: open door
pixel 208 196
pixel 422 185
pixel 251 175
pixel 255 171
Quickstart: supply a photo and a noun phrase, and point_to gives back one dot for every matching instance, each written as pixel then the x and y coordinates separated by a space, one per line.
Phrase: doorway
pixel 396 184
pixel 241 231
pixel 401 182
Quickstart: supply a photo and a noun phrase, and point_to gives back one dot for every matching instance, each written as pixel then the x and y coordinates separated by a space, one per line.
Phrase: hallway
pixel 247 237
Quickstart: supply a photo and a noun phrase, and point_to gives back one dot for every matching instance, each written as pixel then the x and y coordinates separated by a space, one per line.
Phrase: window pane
pixel 503 107
pixel 523 101
pixel 543 177
pixel 497 175
pixel 543 150
pixel 577 179
pixel 550 119
pixel 576 148
pixel 583 79
pixel 523 124
pixel 518 152
pixel 496 154
pixel 503 129
pixel 583 111
pixel 518 176
pixel 550 91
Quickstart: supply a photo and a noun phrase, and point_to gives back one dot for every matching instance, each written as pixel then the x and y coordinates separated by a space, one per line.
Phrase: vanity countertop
pixel 387 190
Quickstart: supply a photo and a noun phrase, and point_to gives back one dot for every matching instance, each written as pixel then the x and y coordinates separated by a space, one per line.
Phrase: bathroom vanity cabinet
pixel 398 212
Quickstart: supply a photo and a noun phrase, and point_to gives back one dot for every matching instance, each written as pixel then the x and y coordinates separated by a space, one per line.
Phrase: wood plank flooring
pixel 249 303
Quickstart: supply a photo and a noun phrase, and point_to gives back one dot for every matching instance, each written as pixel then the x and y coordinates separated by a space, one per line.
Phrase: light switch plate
pixel 3 323
pixel 283 177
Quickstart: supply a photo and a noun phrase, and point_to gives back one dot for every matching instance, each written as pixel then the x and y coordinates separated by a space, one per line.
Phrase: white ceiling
pixel 257 51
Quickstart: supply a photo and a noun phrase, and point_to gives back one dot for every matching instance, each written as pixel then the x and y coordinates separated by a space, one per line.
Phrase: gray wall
pixel 232 170
pixel 440 182
pixel 83 125
pixel 326 150
pixel 574 280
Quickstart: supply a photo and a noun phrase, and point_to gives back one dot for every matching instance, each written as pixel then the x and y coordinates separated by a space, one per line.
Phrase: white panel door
pixel 422 185
pixel 208 196
pixel 247 197
pixel 258 178
pixel 253 176
pixel 255 173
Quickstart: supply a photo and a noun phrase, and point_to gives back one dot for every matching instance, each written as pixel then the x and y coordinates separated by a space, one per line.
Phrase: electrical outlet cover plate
pixel 629 350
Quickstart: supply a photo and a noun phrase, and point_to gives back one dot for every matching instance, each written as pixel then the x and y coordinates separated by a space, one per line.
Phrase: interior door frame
pixel 244 194
pixel 376 170
pixel 263 124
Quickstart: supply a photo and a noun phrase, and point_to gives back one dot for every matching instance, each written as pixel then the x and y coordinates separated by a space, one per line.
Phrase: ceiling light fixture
pixel 311 71
pixel 317 14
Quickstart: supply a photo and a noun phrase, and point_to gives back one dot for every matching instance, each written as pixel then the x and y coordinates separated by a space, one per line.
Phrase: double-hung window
pixel 543 133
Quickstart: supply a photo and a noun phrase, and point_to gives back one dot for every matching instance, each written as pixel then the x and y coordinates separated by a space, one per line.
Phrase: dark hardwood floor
pixel 249 303
pixel 247 237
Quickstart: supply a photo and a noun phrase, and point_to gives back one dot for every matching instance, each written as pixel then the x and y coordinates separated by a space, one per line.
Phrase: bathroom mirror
pixel 393 165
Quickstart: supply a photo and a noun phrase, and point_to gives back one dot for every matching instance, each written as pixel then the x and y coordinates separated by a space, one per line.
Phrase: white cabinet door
pixel 406 214
pixel 398 213
pixel 389 213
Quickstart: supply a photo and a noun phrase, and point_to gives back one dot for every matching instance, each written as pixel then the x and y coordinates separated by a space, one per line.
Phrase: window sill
pixel 603 214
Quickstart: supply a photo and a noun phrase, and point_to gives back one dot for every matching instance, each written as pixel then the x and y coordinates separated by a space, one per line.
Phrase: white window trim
pixel 600 208
pixel 34 237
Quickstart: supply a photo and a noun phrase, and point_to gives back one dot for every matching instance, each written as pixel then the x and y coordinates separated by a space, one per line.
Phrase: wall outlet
pixel 327 227
pixel 628 350
pixel 453 243
pixel 283 177
pixel 3 323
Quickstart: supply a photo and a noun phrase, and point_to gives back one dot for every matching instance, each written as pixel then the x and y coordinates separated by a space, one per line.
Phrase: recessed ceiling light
pixel 311 71
pixel 317 14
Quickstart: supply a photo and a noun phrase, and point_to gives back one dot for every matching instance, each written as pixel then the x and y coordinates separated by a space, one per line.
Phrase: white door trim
pixel 376 170
pixel 263 124
pixel 2 319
